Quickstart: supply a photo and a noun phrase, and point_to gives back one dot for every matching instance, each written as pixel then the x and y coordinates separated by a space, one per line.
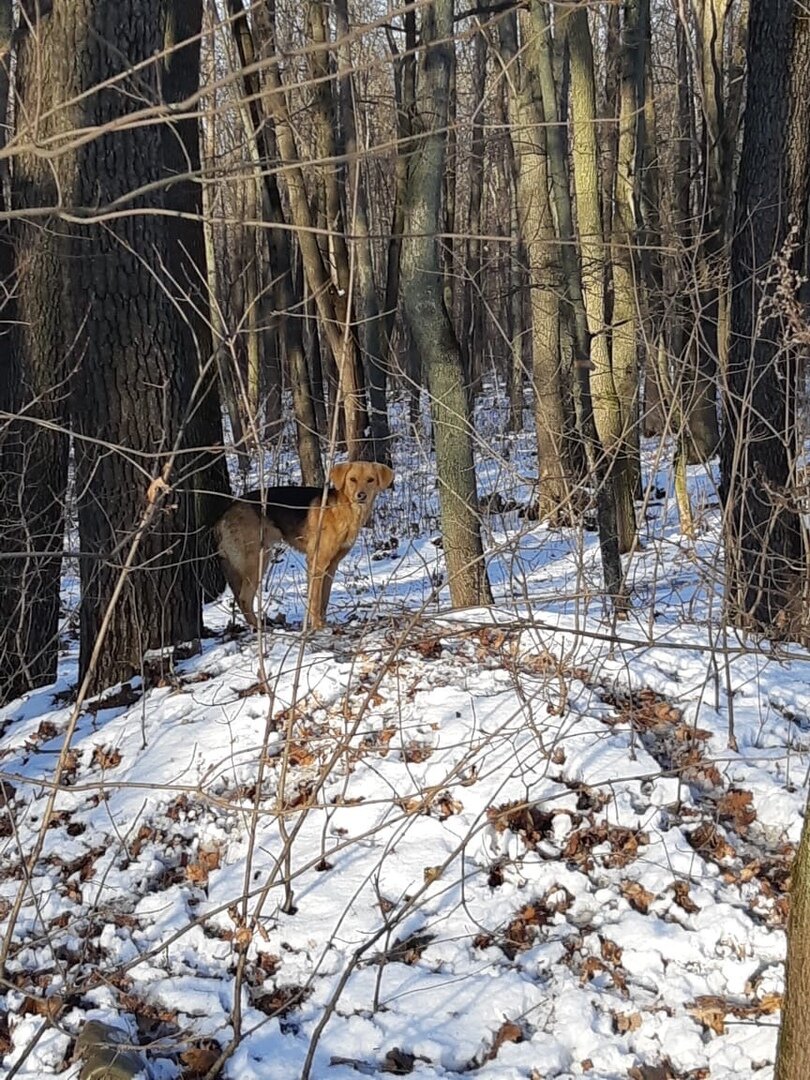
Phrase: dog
pixel 297 516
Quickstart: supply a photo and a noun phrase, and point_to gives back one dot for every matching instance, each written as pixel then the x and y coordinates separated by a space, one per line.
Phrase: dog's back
pixel 287 509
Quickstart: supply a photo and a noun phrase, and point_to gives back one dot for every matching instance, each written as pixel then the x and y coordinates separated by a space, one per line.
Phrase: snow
pixel 498 861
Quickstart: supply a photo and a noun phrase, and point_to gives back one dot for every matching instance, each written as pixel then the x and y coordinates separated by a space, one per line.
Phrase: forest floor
pixel 517 843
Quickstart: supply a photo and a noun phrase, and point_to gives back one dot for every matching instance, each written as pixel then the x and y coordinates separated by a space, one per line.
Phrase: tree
pixel 132 387
pixel 535 226
pixel 609 408
pixel 286 291
pixel 422 291
pixel 34 384
pixel 331 297
pixel 762 533
pixel 368 298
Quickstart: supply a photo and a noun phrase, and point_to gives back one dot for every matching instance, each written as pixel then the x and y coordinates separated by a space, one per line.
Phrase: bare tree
pixel 422 290
pixel 34 387
pixel 763 540
pixel 132 386
pixel 536 227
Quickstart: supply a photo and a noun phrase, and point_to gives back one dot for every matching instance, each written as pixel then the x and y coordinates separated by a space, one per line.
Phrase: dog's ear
pixel 385 476
pixel 337 477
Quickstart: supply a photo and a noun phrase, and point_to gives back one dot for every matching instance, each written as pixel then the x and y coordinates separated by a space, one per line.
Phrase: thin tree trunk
pixel 331 302
pixel 430 322
pixel 613 492
pixel 656 386
pixel 472 342
pixel 585 161
pixel 701 416
pixel 287 290
pixel 405 92
pixel 535 226
pixel 373 336
pixel 626 272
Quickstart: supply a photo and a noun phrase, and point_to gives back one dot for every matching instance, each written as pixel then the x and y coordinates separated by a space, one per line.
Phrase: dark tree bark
pixel 187 265
pixel 700 412
pixel 763 541
pixel 472 322
pixel 405 92
pixel 132 388
pixel 33 386
pixel 429 319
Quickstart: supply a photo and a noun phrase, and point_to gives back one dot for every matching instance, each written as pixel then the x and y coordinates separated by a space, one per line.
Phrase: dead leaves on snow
pixel 711 1010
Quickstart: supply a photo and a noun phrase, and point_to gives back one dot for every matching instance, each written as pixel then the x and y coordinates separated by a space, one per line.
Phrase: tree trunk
pixel 656 381
pixel 626 272
pixel 793 1048
pixel 701 414
pixel 369 305
pixel 613 494
pixel 430 321
pixel 331 302
pixel 762 536
pixel 132 387
pixel 472 343
pixel 34 384
pixel 536 229
pixel 405 93
pixel 585 158
pixel 287 291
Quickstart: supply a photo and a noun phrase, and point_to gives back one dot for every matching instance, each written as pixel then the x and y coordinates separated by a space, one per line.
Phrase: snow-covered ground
pixel 520 843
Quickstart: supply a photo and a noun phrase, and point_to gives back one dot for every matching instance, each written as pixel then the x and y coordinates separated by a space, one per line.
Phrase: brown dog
pixel 251 526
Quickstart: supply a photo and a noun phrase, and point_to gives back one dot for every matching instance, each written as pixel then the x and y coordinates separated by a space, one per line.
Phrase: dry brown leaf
pixel 737 806
pixel 623 1023
pixel 106 757
pixel 508 1032
pixel 197 1061
pixel 636 895
pixel 710 1010
pixel 49 1007
pixel 682 897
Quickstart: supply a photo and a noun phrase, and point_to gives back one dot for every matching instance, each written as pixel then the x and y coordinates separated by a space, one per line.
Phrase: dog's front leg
pixel 316 581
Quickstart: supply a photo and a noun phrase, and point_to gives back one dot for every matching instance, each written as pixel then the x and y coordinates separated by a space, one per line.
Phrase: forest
pixel 547 261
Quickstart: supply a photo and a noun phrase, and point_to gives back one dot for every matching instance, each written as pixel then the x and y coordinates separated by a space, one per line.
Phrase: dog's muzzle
pixel 361 496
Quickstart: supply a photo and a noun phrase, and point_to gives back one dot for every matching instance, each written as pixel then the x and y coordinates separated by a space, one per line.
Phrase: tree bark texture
pixel 793 1048
pixel 536 228
pixel 34 385
pixel 700 413
pixel 132 385
pixel 369 302
pixel 429 319
pixel 614 503
pixel 627 280
pixel 762 536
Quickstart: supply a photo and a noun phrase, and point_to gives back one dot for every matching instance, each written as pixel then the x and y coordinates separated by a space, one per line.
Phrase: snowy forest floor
pixel 517 843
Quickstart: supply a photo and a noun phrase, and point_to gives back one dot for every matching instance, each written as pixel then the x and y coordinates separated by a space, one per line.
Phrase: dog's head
pixel 361 481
